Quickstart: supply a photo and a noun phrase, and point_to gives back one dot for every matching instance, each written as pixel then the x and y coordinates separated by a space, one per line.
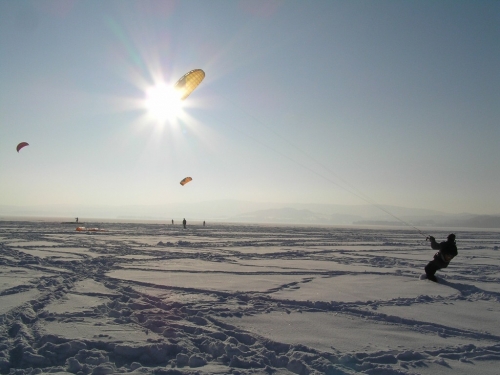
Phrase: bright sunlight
pixel 163 103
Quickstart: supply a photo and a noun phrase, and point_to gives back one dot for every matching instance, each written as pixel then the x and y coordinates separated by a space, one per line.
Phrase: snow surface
pixel 244 299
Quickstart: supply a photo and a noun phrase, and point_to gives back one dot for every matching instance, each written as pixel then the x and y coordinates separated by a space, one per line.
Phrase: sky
pixel 330 102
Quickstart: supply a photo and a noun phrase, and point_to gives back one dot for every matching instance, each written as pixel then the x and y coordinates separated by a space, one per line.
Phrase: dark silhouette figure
pixel 172 221
pixel 184 223
pixel 447 251
pixel 203 222
pixel 77 220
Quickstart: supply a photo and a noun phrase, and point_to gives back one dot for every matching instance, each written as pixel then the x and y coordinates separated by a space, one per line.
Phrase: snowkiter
pixel 447 251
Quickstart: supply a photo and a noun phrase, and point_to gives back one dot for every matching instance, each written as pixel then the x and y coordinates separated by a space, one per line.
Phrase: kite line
pixel 349 187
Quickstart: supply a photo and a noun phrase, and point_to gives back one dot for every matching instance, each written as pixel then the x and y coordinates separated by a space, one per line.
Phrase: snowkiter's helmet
pixel 451 237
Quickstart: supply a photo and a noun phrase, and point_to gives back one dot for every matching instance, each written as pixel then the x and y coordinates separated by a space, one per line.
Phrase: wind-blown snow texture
pixel 242 299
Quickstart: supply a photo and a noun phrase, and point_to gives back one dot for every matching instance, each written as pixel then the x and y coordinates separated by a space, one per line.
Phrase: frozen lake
pixel 244 299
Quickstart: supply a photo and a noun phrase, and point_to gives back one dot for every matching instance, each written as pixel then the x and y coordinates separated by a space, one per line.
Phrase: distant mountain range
pixel 259 212
pixel 418 218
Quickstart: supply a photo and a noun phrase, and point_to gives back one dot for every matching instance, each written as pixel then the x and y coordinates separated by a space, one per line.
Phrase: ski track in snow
pixel 244 299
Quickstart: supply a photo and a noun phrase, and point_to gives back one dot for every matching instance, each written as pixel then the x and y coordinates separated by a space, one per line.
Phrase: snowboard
pixel 424 277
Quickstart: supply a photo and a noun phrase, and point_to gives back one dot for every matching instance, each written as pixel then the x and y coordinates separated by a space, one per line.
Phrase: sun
pixel 163 103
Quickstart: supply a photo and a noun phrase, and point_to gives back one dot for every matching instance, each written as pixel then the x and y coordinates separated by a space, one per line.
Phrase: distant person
pixel 184 223
pixel 172 221
pixel 447 251
pixel 203 222
pixel 77 220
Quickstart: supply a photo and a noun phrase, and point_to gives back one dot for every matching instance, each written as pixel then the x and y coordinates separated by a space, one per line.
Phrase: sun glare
pixel 163 103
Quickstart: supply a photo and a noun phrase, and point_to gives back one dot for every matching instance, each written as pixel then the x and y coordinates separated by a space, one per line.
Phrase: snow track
pixel 243 299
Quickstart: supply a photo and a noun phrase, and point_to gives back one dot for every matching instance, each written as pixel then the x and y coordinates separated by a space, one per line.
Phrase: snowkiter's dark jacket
pixel 447 250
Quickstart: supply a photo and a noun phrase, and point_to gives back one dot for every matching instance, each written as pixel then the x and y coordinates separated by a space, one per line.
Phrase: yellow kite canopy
pixel 21 145
pixel 188 82
pixel 185 180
